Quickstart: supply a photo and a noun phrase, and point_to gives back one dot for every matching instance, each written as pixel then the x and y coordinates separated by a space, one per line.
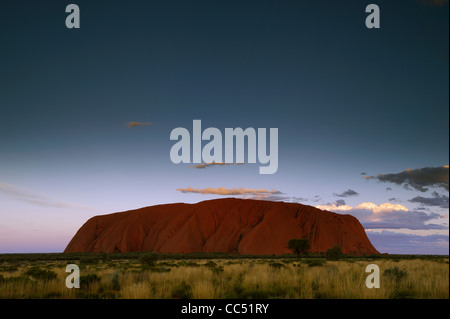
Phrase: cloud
pixel 386 216
pixel 205 165
pixel 226 191
pixel 248 193
pixel 347 193
pixel 398 243
pixel 436 200
pixel 134 124
pixel 340 202
pixel 419 179
pixel 27 196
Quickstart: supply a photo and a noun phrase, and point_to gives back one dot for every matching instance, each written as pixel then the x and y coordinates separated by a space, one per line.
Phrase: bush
pixel 149 259
pixel 41 274
pixel 315 263
pixel 18 280
pixel 182 291
pixel 87 260
pixel 192 264
pixel 334 253
pixel 115 282
pixel 160 269
pixel 11 268
pixel 211 264
pixel 276 265
pixel 396 273
pixel 89 279
pixel 217 270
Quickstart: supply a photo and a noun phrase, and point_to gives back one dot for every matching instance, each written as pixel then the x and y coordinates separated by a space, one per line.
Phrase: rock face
pixel 230 225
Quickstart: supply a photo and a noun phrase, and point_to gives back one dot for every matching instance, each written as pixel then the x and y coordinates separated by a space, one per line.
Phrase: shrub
pixel 160 269
pixel 86 260
pixel 149 259
pixel 18 280
pixel 217 270
pixel 192 264
pixel 334 253
pixel 41 274
pixel 315 263
pixel 211 264
pixel 115 282
pixel 11 268
pixel 276 265
pixel 182 291
pixel 396 273
pixel 89 279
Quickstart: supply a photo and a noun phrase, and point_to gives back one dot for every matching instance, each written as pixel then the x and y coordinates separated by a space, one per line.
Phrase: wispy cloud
pixel 247 193
pixel 205 165
pixel 30 197
pixel 134 124
pixel 436 200
pixel 347 193
pixel 386 216
pixel 230 191
pixel 419 179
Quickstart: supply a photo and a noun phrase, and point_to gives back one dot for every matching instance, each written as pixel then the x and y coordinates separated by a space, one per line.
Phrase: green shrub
pixel 217 270
pixel 115 282
pixel 315 263
pixel 87 280
pixel 159 269
pixel 192 264
pixel 11 268
pixel 211 264
pixel 87 260
pixel 276 265
pixel 19 280
pixel 41 274
pixel 182 291
pixel 396 273
pixel 149 259
pixel 334 253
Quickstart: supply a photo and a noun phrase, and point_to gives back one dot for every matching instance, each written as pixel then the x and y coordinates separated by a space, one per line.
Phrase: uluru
pixel 230 225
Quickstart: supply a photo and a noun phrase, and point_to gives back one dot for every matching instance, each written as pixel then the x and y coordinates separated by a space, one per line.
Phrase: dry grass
pixel 238 279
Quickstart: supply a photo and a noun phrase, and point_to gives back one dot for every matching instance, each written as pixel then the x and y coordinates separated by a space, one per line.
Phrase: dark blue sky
pixel 346 100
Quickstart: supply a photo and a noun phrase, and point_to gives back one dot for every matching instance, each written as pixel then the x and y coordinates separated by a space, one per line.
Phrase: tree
pixel 299 246
pixel 334 252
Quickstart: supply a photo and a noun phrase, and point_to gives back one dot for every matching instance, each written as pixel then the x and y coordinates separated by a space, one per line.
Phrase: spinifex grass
pixel 230 278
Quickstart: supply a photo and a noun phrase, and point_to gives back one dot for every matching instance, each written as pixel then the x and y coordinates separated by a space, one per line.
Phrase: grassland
pixel 218 276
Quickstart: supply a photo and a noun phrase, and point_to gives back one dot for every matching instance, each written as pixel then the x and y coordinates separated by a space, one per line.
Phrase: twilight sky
pixel 362 114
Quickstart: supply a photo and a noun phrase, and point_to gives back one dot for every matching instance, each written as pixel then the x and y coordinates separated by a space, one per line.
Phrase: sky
pixel 362 114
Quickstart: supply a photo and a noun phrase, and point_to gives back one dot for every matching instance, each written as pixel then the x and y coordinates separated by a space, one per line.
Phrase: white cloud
pixel 387 216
